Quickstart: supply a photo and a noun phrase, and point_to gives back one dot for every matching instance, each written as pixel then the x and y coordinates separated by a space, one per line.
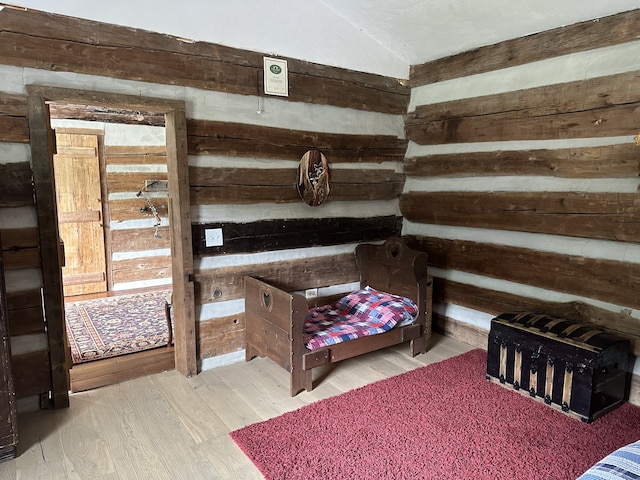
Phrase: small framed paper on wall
pixel 276 77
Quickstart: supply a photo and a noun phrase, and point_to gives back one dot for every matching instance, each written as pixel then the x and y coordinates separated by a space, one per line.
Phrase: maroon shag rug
pixel 118 325
pixel 442 421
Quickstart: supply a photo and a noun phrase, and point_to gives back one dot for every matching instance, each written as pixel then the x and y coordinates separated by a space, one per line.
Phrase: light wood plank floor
pixel 165 426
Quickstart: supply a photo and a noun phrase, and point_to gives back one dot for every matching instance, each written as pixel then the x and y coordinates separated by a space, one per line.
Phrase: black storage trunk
pixel 570 366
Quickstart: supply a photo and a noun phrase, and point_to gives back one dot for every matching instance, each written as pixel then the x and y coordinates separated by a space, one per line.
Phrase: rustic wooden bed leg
pixel 249 353
pixel 418 346
pixel 300 380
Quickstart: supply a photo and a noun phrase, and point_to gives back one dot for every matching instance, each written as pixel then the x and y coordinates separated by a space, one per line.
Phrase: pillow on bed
pixel 374 304
pixel 361 313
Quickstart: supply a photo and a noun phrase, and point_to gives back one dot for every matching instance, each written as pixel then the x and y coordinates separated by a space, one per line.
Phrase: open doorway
pixel 111 184
pixel 179 229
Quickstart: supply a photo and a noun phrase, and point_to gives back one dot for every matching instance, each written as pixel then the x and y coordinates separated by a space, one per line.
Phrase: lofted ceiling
pixel 377 36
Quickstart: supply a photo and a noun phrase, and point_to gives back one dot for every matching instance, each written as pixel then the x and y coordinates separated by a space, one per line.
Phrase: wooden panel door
pixel 8 426
pixel 79 195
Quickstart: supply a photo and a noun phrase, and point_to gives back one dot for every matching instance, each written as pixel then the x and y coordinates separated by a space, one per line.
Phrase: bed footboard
pixel 274 323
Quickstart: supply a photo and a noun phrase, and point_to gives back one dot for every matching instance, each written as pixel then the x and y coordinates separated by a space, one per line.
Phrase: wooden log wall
pixel 242 163
pixel 19 239
pixel 522 178
pixel 139 257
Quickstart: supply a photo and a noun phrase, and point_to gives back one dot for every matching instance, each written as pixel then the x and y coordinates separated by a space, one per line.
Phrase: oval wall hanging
pixel 313 178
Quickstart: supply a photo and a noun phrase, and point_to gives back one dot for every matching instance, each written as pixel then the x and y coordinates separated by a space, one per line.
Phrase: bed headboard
pixel 394 268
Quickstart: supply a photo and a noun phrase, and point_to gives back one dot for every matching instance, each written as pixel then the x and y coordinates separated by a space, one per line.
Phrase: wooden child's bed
pixel 275 319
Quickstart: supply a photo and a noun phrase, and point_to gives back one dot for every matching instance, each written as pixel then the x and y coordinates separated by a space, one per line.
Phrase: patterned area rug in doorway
pixel 112 326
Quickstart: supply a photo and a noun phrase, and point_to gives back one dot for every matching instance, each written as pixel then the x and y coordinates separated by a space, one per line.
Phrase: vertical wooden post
pixel 41 138
pixel 181 244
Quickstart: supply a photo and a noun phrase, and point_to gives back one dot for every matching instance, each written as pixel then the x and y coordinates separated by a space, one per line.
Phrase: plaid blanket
pixel 363 312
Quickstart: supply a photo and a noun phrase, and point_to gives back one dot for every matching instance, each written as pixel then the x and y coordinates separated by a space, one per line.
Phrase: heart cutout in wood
pixel 266 300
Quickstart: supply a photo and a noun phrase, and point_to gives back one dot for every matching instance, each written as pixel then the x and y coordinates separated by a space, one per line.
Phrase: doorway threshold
pixel 109 371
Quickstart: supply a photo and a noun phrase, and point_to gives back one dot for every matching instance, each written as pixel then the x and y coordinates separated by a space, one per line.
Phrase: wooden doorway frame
pixel 41 139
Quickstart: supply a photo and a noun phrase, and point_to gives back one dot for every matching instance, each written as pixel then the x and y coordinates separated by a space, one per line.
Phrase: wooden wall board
pixel 114 151
pixel 13 104
pixel 90 113
pixel 32 373
pixel 289 194
pixel 131 209
pixel 135 159
pixel 234 177
pixel 607 280
pixel 139 239
pixel 588 35
pixel 609 161
pixel 14 126
pixel 25 312
pixel 217 336
pixel 54 42
pixel 237 139
pixel 21 247
pixel 122 182
pixel 243 195
pixel 14 129
pixel 26 321
pixel 227 283
pixel 463 332
pixel 269 235
pixel 136 154
pixel 598 107
pixel 19 259
pixel 607 216
pixel 277 185
pixel 142 268
pixel 24 299
pixel 16 238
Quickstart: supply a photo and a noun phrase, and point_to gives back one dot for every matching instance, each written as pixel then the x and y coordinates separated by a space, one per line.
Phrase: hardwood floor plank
pixel 230 462
pixel 171 440
pixel 39 439
pixel 244 385
pixel 8 470
pixel 53 470
pixel 85 450
pixel 227 404
pixel 132 450
pixel 189 407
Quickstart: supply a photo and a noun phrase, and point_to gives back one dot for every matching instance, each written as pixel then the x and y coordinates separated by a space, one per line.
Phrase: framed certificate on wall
pixel 276 77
